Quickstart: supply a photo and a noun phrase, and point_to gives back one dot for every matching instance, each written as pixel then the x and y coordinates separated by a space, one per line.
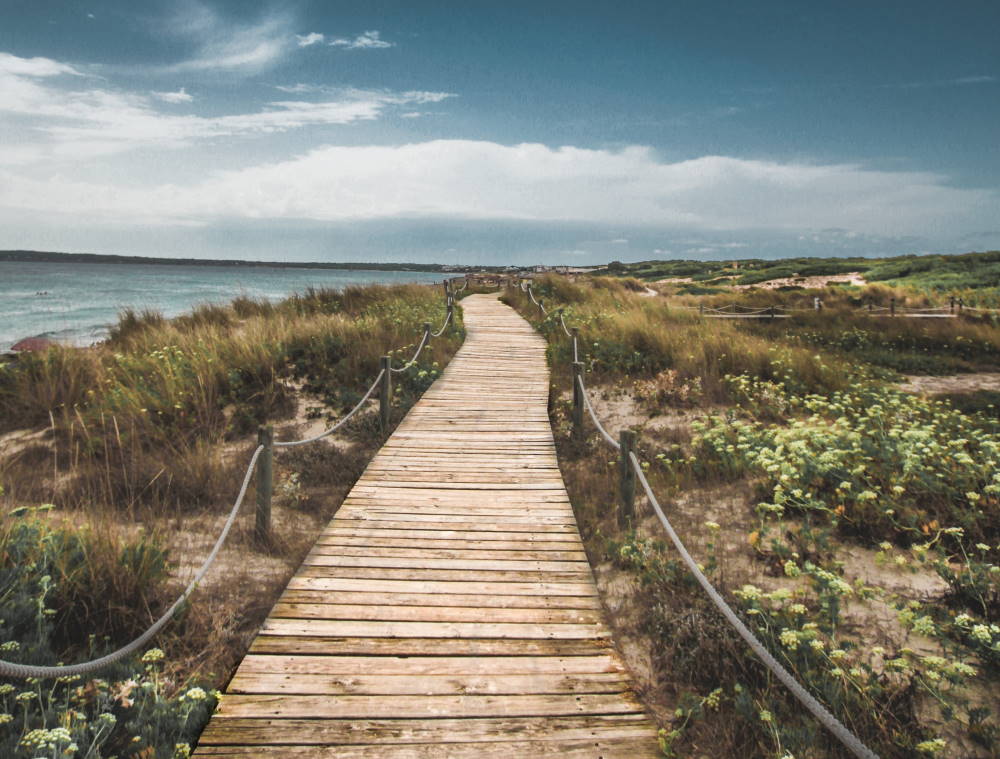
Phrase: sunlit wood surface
pixel 448 610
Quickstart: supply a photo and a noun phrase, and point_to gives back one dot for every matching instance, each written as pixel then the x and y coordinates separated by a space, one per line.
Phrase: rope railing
pixel 12 669
pixel 264 449
pixel 340 423
pixel 631 462
pixel 413 360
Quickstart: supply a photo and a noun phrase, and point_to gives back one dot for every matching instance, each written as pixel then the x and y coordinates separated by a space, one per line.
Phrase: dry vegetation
pixel 854 526
pixel 118 464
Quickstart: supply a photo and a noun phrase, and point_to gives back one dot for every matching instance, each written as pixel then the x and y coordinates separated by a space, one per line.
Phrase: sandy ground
pixel 953 383
pixel 851 278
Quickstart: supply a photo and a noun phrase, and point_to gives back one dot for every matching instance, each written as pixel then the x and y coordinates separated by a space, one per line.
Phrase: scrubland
pixel 854 526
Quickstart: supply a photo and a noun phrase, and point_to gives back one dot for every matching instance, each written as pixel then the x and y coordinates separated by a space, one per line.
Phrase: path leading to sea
pixel 448 610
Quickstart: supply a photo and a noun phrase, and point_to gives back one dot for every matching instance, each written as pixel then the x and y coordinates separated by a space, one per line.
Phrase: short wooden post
pixel 451 313
pixel 892 306
pixel 427 330
pixel 771 311
pixel 701 309
pixel 626 485
pixel 577 400
pixel 541 304
pixel 385 393
pixel 265 481
pixel 961 304
pixel 575 332
pixel 951 304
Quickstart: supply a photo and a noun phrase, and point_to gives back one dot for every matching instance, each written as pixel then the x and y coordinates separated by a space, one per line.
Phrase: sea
pixel 76 303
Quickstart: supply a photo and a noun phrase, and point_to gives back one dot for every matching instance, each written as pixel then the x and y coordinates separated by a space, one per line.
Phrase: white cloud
pixel 33 67
pixel 461 179
pixel 69 123
pixel 226 46
pixel 365 41
pixel 962 81
pixel 313 38
pixel 181 96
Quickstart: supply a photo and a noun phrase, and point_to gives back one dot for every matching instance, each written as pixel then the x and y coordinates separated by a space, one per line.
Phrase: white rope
pixel 565 328
pixel 441 331
pixel 338 425
pixel 10 669
pixel 593 416
pixel 412 361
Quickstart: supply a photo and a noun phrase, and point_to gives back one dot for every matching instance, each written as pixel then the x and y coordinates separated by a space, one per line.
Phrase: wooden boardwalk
pixel 448 610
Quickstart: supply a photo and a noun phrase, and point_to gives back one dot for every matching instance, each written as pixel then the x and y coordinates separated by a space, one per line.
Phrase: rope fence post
pixel 951 304
pixel 770 312
pixel 626 480
pixel 576 334
pixel 385 393
pixel 265 481
pixel 577 399
pixel 701 309
pixel 892 306
pixel 427 331
pixel 451 311
pixel 961 304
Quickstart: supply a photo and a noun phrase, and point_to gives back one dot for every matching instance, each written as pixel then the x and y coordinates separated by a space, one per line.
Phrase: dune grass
pixel 820 499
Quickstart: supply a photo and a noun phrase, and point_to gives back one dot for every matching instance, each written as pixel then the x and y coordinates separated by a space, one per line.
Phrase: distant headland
pixel 40 256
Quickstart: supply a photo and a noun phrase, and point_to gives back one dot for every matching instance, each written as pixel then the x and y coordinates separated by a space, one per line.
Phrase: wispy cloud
pixel 220 44
pixel 34 67
pixel 82 123
pixel 369 40
pixel 962 81
pixel 180 96
pixel 313 38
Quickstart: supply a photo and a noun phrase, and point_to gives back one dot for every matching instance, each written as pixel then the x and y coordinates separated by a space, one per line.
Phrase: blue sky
pixel 566 132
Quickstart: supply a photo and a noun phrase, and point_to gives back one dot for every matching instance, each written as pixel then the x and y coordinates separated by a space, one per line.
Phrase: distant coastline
pixel 39 256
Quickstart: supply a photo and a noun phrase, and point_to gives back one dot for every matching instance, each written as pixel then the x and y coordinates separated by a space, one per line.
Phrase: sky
pixel 561 132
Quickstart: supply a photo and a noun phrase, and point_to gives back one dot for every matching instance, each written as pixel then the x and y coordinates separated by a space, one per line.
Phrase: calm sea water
pixel 77 302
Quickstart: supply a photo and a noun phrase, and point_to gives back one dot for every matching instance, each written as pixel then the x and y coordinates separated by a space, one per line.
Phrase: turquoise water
pixel 76 303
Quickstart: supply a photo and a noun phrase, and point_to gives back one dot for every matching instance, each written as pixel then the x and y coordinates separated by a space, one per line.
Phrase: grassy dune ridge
pixel 119 462
pixel 853 525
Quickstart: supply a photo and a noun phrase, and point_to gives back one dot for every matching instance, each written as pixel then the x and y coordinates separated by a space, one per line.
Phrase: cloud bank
pixel 465 179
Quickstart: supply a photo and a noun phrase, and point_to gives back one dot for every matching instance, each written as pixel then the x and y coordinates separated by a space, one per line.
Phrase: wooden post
pixel 771 311
pixel 541 304
pixel 451 313
pixel 447 292
pixel 385 394
pixel 575 332
pixel 626 476
pixel 701 309
pixel 892 306
pixel 961 304
pixel 265 481
pixel 577 400
pixel 951 304
pixel 427 330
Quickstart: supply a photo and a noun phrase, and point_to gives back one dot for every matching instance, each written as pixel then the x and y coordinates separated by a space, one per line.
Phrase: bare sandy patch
pixel 952 383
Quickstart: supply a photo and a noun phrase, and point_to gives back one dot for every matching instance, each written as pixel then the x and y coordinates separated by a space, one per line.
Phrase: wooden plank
pixel 264 731
pixel 302 582
pixel 349 646
pixel 344 628
pixel 430 665
pixel 429 707
pixel 314 684
pixel 611 748
pixel 484 615
pixel 398 599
